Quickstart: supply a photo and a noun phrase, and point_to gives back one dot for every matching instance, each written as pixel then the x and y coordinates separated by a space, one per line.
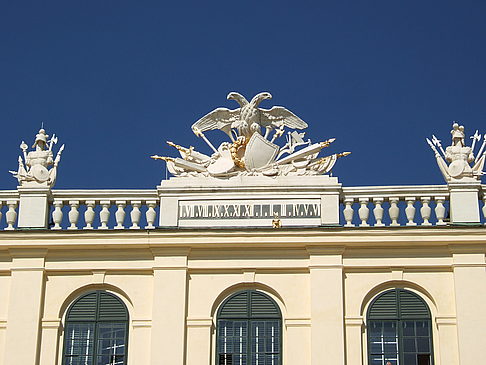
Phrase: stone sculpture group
pixel 33 168
pixel 252 150
pixel 458 162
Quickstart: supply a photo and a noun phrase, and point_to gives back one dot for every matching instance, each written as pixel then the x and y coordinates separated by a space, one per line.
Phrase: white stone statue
pixel 33 169
pixel 251 149
pixel 457 162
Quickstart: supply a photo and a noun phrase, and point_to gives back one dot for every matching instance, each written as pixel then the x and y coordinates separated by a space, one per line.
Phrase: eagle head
pixel 240 99
pixel 258 98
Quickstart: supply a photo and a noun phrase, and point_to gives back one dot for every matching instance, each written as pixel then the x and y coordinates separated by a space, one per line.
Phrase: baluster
pixel 484 207
pixel 57 214
pixel 73 214
pixel 89 214
pixel 364 212
pixel 135 214
pixel 425 210
pixel 410 211
pixel 11 215
pixel 348 212
pixel 104 214
pixel 394 211
pixel 120 214
pixel 378 212
pixel 150 214
pixel 440 210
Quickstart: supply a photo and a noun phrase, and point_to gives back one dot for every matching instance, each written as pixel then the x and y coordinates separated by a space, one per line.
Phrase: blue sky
pixel 116 79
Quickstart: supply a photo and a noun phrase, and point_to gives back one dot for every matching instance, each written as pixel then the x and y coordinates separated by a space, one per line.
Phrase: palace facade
pixel 286 268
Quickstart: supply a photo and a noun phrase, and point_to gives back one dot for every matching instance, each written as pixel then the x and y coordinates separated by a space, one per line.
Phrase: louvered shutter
pixel 249 304
pixel 398 304
pixel 385 306
pixel 111 308
pixel 98 305
pixel 261 306
pixel 84 309
pixel 235 307
pixel 412 306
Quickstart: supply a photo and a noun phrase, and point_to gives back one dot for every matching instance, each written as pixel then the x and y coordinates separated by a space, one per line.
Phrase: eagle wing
pixel 278 116
pixel 219 118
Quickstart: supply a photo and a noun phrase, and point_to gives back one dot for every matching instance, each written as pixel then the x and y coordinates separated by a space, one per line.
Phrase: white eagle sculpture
pixel 252 150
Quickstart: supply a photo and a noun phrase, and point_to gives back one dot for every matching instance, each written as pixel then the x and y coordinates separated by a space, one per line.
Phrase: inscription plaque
pixel 249 212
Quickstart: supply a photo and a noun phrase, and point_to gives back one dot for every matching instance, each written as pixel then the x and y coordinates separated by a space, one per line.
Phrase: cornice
pixel 310 238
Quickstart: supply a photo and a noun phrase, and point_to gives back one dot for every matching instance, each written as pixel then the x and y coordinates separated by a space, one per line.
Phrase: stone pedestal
pixel 34 207
pixel 249 201
pixel 464 202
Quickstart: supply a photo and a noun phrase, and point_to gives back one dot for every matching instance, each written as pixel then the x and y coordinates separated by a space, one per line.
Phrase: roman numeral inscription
pixel 248 210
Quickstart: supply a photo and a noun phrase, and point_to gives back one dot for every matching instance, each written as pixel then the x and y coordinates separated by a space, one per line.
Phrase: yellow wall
pixel 172 283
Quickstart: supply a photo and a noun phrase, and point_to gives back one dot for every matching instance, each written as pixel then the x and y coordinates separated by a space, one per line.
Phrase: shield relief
pixel 259 152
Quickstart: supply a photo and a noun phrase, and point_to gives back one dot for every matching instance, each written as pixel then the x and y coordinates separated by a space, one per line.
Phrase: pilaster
pixel 139 344
pixel 354 336
pixel 297 342
pixel 169 306
pixel 50 341
pixel 199 334
pixel 25 307
pixel 447 331
pixel 470 294
pixel 327 306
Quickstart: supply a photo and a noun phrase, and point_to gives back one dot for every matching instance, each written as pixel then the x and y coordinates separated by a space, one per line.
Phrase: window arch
pixel 399 329
pixel 96 330
pixel 249 330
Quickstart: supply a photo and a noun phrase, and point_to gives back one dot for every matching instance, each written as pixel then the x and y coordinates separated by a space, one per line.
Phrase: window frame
pixel 96 322
pixel 399 320
pixel 249 320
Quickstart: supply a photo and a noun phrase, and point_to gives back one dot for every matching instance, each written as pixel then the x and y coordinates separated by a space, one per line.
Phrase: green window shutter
pixel 249 330
pixel 412 306
pixel 96 330
pixel 262 306
pixel 98 305
pixel 111 308
pixel 385 306
pixel 235 307
pixel 84 309
pixel 398 304
pixel 249 304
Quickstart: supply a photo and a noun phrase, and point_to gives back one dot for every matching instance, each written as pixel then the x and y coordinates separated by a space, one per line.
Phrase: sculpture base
pixel 464 202
pixel 249 201
pixel 34 207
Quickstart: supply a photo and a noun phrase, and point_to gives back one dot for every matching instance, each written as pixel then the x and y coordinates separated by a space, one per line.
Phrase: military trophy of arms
pixel 252 148
pixel 33 168
pixel 457 162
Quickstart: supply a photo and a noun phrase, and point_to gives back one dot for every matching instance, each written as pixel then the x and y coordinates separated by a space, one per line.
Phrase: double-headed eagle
pixel 248 118
pixel 252 150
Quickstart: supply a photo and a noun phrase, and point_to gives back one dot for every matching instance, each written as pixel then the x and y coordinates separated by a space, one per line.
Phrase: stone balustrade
pixel 394 206
pixel 377 206
pixel 9 202
pixel 104 209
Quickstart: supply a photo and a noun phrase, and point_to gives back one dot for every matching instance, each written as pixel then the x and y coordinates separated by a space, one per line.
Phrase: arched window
pixel 96 331
pixel 249 330
pixel 399 329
